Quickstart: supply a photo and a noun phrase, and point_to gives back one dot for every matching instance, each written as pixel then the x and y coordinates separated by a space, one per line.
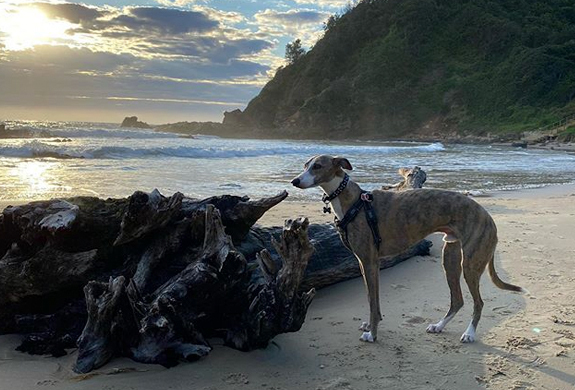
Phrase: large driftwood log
pixel 212 293
pixel 279 306
pixel 153 277
pixel 332 262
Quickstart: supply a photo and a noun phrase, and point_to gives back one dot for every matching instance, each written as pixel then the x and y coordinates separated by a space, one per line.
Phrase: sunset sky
pixel 164 60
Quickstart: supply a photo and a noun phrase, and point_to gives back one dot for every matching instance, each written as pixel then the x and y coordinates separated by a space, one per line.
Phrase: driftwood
pixel 209 296
pixel 332 262
pixel 153 277
pixel 412 178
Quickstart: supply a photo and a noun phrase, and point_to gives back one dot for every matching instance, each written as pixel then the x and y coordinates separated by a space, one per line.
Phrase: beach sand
pixel 525 341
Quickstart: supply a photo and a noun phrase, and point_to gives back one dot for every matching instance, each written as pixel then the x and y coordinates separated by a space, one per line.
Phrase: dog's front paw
pixel 434 328
pixel 367 337
pixel 467 338
pixel 364 327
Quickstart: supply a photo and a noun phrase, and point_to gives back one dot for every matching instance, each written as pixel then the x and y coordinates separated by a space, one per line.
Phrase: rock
pixel 234 118
pixel 132 121
pixel 22 133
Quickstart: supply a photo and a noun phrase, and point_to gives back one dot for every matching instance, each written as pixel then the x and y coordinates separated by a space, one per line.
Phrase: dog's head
pixel 321 169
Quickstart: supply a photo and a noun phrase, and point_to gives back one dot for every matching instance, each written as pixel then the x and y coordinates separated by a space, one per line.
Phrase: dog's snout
pixel 295 181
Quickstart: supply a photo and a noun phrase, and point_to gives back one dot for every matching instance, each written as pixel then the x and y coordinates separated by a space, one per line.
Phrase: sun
pixel 27 27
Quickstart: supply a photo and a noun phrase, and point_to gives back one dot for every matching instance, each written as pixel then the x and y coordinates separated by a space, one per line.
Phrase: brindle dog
pixel 405 218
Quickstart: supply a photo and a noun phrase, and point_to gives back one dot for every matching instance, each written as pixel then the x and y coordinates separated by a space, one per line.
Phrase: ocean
pixel 104 160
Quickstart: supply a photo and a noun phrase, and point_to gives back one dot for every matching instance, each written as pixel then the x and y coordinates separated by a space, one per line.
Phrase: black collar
pixel 328 198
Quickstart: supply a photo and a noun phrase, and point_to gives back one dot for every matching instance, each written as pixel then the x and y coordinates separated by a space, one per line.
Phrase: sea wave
pixel 39 149
pixel 110 133
pixel 92 132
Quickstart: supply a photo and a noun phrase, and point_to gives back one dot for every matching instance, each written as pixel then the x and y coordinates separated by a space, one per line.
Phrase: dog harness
pixel 364 202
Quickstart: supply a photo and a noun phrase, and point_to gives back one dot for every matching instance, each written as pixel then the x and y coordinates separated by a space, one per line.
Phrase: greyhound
pixel 403 218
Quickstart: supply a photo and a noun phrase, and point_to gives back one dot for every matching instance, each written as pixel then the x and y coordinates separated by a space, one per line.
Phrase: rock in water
pixel 132 121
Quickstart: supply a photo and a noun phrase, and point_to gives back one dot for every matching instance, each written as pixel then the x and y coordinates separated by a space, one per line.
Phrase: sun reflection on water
pixel 33 180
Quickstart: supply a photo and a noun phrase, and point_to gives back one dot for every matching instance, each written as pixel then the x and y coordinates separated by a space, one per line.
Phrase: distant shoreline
pixel 223 130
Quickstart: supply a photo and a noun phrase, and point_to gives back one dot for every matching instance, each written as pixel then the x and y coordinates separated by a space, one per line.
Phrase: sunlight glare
pixel 35 180
pixel 31 175
pixel 28 27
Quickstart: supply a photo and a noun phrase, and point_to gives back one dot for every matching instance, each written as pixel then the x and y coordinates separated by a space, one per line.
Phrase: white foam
pixel 37 148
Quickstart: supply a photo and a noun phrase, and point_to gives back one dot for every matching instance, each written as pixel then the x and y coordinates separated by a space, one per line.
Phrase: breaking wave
pixel 39 149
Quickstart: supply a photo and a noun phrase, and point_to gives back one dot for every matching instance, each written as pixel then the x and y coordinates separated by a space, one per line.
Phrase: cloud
pixel 74 13
pixel 207 48
pixel 301 23
pixel 225 17
pixel 157 32
pixel 150 55
pixel 165 20
pixel 177 3
pixel 64 59
pixel 57 73
pixel 293 18
pixel 328 3
pixel 129 21
pixel 186 70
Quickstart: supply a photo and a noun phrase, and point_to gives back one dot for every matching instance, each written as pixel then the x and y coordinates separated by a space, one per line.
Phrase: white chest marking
pixel 336 206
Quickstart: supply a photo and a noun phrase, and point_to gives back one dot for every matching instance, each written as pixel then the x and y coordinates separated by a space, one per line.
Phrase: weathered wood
pixel 238 214
pixel 331 262
pixel 168 330
pixel 146 213
pixel 52 334
pixel 101 335
pixel 212 293
pixel 412 178
pixel 161 246
pixel 279 306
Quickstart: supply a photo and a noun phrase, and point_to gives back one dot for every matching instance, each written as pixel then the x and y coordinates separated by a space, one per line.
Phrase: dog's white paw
pixel 367 337
pixel 434 328
pixel 469 335
pixel 467 338
pixel 364 327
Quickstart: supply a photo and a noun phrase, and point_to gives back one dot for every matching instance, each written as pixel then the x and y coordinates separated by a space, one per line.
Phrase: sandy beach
pixel 525 341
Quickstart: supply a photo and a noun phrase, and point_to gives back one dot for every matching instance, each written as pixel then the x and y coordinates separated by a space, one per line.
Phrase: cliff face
pixel 391 68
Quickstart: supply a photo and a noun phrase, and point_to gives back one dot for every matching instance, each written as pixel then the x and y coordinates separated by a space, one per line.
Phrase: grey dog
pixel 403 218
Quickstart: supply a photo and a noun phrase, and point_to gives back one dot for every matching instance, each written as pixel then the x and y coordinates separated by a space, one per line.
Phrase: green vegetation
pixel 567 135
pixel 294 51
pixel 388 68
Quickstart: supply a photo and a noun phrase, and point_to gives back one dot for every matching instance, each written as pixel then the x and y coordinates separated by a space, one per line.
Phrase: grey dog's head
pixel 321 169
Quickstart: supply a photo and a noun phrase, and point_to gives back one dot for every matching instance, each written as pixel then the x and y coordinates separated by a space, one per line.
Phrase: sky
pixel 162 60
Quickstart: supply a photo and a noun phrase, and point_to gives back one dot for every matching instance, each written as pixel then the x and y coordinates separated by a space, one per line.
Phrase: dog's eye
pixel 316 166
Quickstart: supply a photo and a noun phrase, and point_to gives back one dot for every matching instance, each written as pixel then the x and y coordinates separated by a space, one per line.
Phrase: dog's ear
pixel 342 162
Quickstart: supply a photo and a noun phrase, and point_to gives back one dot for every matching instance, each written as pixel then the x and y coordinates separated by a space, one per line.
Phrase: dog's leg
pixel 472 271
pixel 371 277
pixel 364 327
pixel 452 267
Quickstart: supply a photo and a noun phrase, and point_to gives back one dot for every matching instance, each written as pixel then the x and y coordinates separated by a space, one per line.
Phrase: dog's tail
pixel 500 283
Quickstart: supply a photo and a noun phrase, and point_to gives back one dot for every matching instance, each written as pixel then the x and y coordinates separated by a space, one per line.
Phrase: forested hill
pixel 393 68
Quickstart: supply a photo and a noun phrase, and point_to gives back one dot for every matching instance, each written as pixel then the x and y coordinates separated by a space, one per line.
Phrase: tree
pixel 294 51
